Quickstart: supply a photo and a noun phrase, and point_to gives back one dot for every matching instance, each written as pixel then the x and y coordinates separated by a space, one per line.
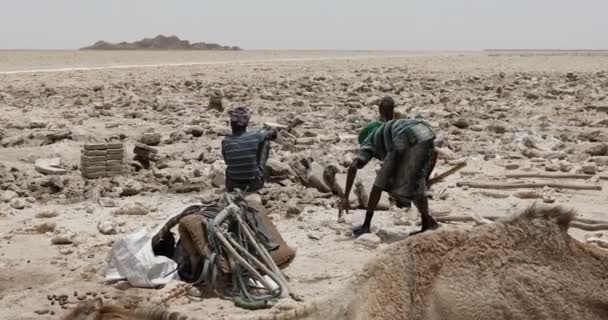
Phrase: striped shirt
pixel 394 134
pixel 242 156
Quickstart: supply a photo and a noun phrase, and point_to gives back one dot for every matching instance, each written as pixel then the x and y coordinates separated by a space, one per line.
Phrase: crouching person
pixel 406 149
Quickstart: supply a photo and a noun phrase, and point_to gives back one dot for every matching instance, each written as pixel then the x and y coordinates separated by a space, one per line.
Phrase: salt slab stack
pixel 100 160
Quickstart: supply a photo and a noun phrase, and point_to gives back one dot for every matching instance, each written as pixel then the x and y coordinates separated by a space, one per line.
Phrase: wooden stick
pixel 589 227
pixel 589 221
pixel 464 218
pixel 503 186
pixel 495 195
pixel 548 176
pixel 447 173
pixel 529 194
pixel 552 176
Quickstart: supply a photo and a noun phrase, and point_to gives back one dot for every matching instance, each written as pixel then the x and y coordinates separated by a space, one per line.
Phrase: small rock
pixel 62 237
pixel 49 166
pixel 477 128
pixel 107 203
pixel 292 208
pixel 8 195
pixel 150 138
pixel 315 178
pixel 360 86
pixel 589 168
pixel 277 168
pixel 369 240
pixel 17 203
pixel 131 188
pixel 66 251
pixel 254 201
pixel 107 227
pixel 46 227
pixel 308 141
pixel 511 166
pixel 41 312
pixel 272 125
pixel 460 123
pixel 216 103
pixel 497 128
pixel 13 141
pixel 385 87
pixel 176 164
pixel 47 214
pixel 145 151
pixel 218 178
pixel 565 166
pixel 267 95
pixel 445 153
pixel 195 131
pixel 372 101
pixel 552 166
pixel 314 235
pixel 600 161
pixel 548 198
pixel 532 95
pixel 132 210
pixel 598 149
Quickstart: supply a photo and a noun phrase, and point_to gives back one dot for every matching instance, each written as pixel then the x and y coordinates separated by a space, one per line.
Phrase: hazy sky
pixel 311 24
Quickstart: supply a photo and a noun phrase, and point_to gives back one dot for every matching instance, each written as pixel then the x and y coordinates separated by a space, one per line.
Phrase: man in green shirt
pixel 406 149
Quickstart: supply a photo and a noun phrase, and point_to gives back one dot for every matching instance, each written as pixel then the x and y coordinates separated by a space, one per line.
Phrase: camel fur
pixel 96 310
pixel 520 268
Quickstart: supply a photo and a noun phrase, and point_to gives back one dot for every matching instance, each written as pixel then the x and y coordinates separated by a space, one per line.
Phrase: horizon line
pixel 293 49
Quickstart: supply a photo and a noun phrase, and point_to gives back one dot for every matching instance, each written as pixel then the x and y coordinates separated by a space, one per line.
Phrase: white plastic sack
pixel 132 259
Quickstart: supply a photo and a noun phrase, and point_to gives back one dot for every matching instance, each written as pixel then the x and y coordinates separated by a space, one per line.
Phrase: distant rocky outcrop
pixel 159 42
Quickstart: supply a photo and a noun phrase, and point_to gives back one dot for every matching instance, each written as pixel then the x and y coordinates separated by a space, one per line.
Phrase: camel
pixel 524 267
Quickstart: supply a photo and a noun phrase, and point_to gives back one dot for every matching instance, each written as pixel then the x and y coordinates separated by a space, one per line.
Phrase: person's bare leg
pixel 428 223
pixel 374 199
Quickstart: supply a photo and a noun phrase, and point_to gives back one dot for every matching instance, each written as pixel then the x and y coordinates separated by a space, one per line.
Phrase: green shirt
pixel 394 135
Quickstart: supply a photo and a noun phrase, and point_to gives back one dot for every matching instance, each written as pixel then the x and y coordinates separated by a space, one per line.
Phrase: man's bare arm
pixel 270 134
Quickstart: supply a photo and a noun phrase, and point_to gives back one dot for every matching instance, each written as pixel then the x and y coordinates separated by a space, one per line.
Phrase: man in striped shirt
pixel 406 148
pixel 245 153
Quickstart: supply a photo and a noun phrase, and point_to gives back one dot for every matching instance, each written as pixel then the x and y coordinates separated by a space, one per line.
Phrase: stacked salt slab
pixel 100 160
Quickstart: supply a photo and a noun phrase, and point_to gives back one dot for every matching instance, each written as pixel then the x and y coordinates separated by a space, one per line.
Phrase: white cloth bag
pixel 132 259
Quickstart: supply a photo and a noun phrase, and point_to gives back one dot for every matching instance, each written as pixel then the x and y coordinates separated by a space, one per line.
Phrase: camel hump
pixel 556 214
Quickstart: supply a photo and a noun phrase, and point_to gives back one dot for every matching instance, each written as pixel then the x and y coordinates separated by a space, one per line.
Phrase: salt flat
pixel 531 112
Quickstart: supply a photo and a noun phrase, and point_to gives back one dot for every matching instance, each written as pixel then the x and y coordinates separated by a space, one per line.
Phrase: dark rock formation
pixel 159 42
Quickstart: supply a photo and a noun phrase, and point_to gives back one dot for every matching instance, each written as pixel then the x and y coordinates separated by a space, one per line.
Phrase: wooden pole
pixel 531 185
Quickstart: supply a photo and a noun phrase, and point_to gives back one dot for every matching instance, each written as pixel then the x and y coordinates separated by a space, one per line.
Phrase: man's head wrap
pixel 240 116
pixel 369 129
pixel 387 102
